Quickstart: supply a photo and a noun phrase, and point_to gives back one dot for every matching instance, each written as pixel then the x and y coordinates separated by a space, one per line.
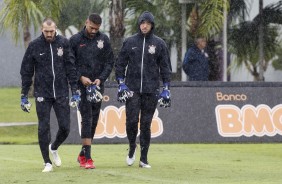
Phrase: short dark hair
pixel 198 37
pixel 95 18
pixel 48 21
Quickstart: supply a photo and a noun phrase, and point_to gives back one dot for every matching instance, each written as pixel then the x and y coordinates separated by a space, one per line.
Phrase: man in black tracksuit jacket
pixel 142 62
pixel 94 60
pixel 47 58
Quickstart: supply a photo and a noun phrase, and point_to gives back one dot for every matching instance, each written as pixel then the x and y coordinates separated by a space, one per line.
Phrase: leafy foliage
pixel 277 61
pixel 75 12
pixel 238 10
pixel 244 39
pixel 211 16
pixel 24 14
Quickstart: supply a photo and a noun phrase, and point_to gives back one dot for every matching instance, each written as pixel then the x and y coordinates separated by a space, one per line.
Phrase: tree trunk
pixel 117 29
pixel 194 21
pixel 261 50
pixel 27 39
pixel 26 36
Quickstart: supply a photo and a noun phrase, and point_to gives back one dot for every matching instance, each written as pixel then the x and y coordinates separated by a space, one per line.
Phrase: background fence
pixel 201 112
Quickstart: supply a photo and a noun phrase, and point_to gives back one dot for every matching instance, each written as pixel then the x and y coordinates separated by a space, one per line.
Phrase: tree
pixel 117 28
pixel 211 17
pixel 244 39
pixel 25 14
pixel 75 12
pixel 277 62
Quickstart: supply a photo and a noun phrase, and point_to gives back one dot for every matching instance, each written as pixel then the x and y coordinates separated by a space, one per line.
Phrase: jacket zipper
pixel 142 63
pixel 53 71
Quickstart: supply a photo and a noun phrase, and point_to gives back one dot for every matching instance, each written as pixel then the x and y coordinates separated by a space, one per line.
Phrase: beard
pixel 49 38
pixel 91 35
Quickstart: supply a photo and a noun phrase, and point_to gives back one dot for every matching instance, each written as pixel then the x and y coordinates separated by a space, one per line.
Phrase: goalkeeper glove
pixel 93 93
pixel 25 105
pixel 75 99
pixel 165 97
pixel 123 92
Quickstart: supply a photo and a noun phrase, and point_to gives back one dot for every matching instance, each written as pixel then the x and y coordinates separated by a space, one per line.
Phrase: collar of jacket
pixel 83 32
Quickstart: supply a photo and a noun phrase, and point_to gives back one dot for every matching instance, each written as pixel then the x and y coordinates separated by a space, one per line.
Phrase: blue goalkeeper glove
pixel 123 91
pixel 75 99
pixel 25 105
pixel 165 96
pixel 93 94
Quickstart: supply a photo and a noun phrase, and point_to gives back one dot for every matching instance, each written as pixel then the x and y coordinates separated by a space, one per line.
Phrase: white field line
pixel 4 124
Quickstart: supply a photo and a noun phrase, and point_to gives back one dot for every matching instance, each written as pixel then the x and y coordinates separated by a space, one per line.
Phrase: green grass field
pixel 171 163
pixel 10 109
pixel 21 161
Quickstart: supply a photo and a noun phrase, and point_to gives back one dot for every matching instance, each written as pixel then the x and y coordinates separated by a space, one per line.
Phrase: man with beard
pixel 47 59
pixel 94 60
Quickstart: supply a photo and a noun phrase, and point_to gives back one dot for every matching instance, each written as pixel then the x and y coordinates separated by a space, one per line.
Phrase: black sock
pixel 144 153
pixel 82 152
pixel 87 149
pixel 53 147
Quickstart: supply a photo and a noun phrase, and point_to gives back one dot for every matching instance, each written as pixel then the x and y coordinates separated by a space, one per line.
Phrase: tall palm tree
pixel 212 17
pixel 117 27
pixel 244 39
pixel 17 14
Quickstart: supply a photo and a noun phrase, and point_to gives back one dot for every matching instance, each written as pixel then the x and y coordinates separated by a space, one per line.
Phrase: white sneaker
pixel 143 165
pixel 48 167
pixel 130 161
pixel 56 158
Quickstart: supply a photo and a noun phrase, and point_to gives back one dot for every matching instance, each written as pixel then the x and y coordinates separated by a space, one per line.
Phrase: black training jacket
pixel 93 57
pixel 51 65
pixel 146 61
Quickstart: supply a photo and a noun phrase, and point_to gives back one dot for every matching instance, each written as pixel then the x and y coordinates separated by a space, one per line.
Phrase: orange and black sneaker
pixel 89 164
pixel 81 160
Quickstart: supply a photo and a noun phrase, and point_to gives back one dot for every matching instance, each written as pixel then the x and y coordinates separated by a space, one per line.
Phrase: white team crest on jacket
pixel 152 49
pixel 40 99
pixel 100 44
pixel 60 51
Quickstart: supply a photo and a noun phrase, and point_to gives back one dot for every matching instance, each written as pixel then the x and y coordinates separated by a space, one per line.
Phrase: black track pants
pixel 62 111
pixel 145 104
pixel 90 115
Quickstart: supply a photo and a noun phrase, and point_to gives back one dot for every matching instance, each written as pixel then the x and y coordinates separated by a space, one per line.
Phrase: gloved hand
pixel 165 97
pixel 25 105
pixel 75 99
pixel 123 92
pixel 93 93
